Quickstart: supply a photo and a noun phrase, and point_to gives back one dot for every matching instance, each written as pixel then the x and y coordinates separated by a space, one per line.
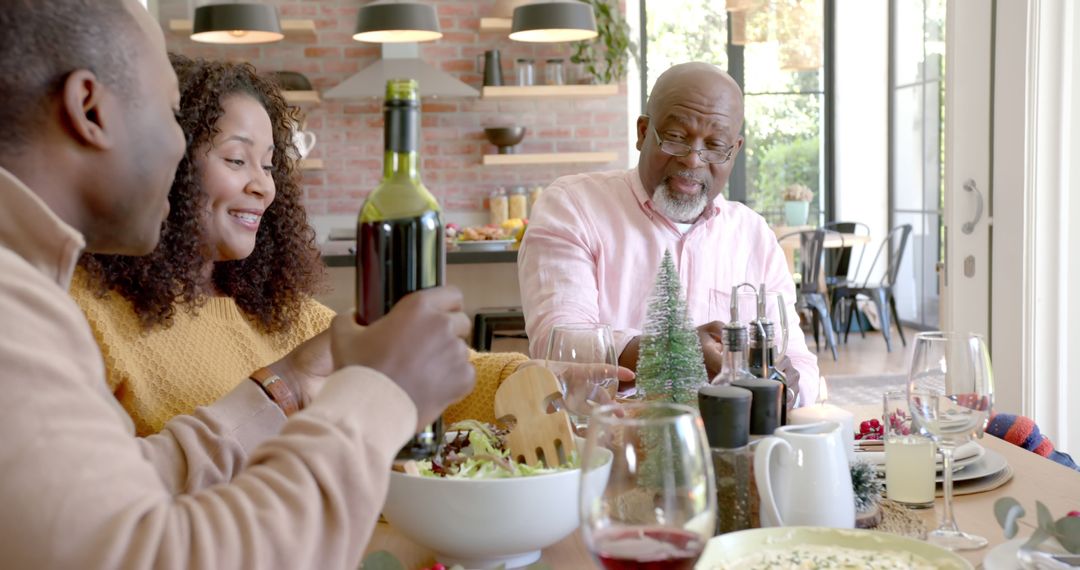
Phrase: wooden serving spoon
pixel 538 437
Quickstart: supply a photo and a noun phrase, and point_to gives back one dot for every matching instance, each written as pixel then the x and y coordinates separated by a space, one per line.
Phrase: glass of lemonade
pixel 910 457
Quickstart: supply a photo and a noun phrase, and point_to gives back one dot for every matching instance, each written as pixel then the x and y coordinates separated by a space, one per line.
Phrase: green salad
pixel 478 451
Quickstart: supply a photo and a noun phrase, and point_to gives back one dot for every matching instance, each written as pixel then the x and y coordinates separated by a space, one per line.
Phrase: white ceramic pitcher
pixel 803 477
pixel 304 141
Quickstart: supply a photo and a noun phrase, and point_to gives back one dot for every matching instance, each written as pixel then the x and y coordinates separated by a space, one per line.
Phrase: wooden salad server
pixel 538 436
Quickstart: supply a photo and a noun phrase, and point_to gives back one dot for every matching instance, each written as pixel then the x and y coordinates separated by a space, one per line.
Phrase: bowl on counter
pixel 485 523
pixel 505 138
pixel 290 80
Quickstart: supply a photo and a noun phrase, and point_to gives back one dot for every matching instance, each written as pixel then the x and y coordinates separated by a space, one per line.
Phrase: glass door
pixel 916 153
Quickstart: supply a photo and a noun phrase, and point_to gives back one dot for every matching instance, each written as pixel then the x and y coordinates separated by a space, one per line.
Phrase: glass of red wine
pixel 658 507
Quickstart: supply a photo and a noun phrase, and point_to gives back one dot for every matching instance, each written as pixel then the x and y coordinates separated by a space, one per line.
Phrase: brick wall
pixel 350 132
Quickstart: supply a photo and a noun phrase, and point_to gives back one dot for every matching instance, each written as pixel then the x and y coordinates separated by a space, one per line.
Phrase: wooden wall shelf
pixel 549 158
pixel 548 91
pixel 292 29
pixel 311 164
pixel 495 24
pixel 300 97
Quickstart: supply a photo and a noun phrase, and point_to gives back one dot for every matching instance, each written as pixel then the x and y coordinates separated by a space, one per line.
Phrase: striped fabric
pixel 1022 431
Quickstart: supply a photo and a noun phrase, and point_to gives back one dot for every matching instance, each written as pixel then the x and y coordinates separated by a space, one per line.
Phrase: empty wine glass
pixel 658 508
pixel 950 394
pixel 582 357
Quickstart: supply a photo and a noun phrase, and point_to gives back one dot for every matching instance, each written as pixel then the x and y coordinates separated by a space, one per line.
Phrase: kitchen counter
pixel 485 278
pixel 341 256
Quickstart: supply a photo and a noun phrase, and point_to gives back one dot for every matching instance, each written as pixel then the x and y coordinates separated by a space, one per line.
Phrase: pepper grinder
pixel 725 410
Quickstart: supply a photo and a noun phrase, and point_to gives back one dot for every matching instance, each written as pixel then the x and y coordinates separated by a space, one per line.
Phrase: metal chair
pixel 810 294
pixel 838 265
pixel 893 247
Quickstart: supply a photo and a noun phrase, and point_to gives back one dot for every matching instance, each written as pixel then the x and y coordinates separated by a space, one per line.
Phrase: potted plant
pixel 604 57
pixel 797 199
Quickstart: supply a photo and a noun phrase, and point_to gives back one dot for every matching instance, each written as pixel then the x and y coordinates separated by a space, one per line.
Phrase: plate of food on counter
pixel 488 237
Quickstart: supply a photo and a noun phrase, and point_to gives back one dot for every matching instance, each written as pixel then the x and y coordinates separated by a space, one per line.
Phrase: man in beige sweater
pixel 88 147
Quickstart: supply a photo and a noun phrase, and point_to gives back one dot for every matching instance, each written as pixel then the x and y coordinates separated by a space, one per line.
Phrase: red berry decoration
pixel 874 423
pixel 1074 514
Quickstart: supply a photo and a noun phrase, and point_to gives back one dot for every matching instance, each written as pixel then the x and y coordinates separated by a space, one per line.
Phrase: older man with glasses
pixel 595 241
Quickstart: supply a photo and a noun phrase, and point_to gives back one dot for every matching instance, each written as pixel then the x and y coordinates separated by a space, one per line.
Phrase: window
pixel 774 49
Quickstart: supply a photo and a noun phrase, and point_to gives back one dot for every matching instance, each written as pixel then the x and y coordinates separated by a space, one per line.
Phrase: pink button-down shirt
pixel 594 246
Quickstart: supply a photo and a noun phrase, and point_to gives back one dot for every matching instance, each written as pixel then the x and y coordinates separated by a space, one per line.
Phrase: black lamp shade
pixel 236 24
pixel 393 22
pixel 557 21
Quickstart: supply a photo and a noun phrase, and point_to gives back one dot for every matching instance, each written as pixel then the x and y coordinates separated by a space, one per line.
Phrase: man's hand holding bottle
pixel 419 345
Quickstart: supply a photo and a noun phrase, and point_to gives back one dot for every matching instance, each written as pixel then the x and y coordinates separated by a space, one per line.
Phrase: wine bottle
pixel 400 246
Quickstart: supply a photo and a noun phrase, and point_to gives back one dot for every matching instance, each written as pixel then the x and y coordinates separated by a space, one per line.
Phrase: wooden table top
pixel 832 238
pixel 1035 479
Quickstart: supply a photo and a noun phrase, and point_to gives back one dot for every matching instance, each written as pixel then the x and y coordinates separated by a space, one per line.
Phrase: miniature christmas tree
pixel 866 486
pixel 670 366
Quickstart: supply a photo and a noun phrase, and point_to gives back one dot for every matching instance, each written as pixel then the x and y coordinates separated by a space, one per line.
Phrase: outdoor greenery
pixel 783 111
pixel 605 58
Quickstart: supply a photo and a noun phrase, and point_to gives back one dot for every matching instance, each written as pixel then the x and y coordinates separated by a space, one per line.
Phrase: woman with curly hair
pixel 228 289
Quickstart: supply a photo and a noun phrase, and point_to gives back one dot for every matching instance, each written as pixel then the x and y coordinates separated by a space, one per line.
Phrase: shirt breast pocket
pixel 720 306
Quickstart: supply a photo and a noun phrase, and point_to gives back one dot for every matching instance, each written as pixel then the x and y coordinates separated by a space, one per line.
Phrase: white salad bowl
pixel 484 523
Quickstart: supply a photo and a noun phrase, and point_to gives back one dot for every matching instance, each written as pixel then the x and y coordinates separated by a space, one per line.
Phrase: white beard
pixel 677 207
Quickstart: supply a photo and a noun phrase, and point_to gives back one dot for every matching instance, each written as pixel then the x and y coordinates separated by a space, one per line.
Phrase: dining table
pixel 1035 478
pixel 789 241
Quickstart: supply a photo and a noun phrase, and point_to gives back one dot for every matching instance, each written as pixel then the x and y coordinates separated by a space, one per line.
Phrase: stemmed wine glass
pixel 658 507
pixel 582 357
pixel 950 394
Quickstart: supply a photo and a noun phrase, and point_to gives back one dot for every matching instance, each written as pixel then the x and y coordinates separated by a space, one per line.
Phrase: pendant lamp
pixel 394 22
pixel 553 21
pixel 236 24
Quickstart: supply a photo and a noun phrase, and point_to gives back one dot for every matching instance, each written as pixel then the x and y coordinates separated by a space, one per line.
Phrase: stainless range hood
pixel 400 60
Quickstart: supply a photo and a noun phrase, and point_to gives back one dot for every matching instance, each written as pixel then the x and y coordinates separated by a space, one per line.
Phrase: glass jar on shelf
pixel 518 203
pixel 526 71
pixel 498 207
pixel 553 72
pixel 534 195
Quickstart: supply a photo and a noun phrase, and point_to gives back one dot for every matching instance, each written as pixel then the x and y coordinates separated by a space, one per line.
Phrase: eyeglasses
pixel 711 156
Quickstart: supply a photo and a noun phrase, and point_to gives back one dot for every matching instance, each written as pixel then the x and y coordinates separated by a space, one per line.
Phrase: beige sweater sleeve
pixel 79 491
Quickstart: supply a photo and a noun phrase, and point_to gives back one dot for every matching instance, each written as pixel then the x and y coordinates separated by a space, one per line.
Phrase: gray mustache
pixel 689 175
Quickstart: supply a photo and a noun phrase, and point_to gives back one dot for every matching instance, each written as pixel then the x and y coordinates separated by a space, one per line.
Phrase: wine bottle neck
pixel 401 138
pixel 401 166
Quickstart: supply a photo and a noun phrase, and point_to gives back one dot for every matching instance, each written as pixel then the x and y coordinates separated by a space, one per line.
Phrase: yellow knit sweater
pixel 170 371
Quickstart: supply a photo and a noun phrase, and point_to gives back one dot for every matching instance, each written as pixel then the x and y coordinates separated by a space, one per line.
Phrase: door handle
pixel 969 227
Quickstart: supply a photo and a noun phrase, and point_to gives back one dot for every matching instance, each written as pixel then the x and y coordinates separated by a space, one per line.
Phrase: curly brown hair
pixel 271 284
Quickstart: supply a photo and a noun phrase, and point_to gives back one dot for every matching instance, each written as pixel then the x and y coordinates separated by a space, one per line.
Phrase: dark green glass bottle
pixel 400 246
